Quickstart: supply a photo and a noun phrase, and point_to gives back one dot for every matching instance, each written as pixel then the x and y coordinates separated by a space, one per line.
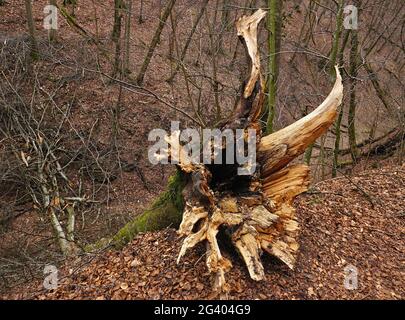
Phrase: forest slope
pixel 358 222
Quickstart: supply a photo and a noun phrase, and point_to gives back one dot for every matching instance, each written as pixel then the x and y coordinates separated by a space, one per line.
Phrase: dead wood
pixel 255 211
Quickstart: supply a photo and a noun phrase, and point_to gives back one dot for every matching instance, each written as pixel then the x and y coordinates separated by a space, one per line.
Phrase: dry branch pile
pixel 254 211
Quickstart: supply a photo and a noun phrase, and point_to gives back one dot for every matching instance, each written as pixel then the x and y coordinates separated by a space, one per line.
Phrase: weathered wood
pixel 279 148
pixel 256 212
pixel 261 217
pixel 208 209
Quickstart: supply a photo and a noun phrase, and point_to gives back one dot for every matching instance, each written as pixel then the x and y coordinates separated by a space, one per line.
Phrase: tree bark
pixel 128 16
pixel 52 32
pixel 352 102
pixel 339 119
pixel 336 40
pixel 116 36
pixel 31 29
pixel 140 19
pixel 273 36
pixel 155 41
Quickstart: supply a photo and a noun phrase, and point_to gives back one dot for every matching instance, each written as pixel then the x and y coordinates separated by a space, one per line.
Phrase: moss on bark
pixel 165 211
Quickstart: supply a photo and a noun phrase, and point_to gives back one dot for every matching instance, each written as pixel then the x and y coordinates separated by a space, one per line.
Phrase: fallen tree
pixel 254 211
pixel 383 145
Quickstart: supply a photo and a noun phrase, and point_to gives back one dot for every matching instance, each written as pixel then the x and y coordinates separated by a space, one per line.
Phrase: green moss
pixel 165 211
pixel 100 244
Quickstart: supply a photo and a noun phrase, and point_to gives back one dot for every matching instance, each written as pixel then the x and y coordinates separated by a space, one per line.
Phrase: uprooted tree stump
pixel 255 211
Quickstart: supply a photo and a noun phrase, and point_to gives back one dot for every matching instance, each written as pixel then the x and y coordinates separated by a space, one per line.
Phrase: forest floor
pixel 357 222
pixel 339 225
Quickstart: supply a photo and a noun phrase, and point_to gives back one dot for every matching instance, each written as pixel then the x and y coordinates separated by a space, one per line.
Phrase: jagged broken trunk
pixel 255 210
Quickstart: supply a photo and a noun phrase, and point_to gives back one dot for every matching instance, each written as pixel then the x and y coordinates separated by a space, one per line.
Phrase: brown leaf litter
pixel 339 227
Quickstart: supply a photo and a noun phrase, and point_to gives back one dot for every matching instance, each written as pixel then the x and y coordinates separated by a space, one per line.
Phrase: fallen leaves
pixel 147 269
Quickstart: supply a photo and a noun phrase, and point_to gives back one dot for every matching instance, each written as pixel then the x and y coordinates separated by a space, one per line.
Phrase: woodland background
pixel 77 103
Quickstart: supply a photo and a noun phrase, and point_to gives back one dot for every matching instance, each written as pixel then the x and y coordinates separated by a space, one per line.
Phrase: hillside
pixel 74 142
pixel 339 226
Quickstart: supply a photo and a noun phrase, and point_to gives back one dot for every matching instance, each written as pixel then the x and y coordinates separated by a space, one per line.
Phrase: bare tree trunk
pixel 59 233
pixel 188 41
pixel 115 119
pixel 128 16
pixel 70 227
pixel 337 142
pixel 140 19
pixel 72 4
pixel 31 29
pixel 116 36
pixel 172 38
pixel 273 35
pixel 155 41
pixel 352 103
pixel 52 32
pixel 336 40
pixel 338 122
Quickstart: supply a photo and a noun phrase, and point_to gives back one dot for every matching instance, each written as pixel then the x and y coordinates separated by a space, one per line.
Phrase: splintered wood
pixel 256 212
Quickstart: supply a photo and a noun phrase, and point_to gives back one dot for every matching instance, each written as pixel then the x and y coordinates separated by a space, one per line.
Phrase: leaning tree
pixel 254 211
